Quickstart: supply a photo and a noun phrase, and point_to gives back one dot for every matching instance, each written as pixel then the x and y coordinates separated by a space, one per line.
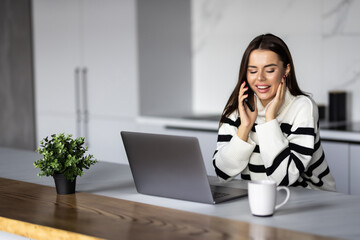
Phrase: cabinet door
pixel 337 157
pixel 50 124
pixel 105 141
pixel 109 54
pixel 355 169
pixel 56 55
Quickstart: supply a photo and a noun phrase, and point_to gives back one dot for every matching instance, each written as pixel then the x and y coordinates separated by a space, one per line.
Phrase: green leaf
pixel 63 154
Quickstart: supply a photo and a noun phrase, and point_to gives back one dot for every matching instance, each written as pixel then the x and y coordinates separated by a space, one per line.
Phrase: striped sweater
pixel 287 149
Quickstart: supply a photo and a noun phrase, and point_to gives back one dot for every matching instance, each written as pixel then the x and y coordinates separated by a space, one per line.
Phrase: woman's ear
pixel 287 70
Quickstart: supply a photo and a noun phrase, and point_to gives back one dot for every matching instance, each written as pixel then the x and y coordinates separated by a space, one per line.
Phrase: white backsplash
pixel 323 37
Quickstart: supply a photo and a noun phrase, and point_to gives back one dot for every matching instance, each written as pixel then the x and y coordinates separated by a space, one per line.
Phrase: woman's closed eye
pixel 253 71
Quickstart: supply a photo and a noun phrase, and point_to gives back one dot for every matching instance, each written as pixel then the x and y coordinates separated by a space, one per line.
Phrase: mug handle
pixel 287 196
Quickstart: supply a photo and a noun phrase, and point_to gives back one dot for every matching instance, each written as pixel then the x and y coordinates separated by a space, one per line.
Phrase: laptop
pixel 172 166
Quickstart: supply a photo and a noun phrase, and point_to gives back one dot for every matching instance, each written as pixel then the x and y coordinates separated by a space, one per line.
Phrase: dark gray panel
pixel 164 35
pixel 17 123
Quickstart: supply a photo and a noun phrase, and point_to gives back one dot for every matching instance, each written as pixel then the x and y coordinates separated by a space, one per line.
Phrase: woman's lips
pixel 263 88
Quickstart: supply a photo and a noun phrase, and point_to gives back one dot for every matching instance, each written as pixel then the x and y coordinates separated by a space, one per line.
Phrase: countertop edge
pixel 212 126
pixel 36 231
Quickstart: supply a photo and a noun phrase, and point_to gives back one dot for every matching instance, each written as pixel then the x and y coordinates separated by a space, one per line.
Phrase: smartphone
pixel 250 94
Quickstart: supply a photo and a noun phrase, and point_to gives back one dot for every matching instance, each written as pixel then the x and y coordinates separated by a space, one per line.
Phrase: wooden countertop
pixel 37 212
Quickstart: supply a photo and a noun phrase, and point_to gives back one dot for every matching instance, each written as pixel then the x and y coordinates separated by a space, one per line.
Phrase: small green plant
pixel 62 154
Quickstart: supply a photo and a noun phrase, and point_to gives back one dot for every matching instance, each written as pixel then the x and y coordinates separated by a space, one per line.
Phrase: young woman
pixel 269 128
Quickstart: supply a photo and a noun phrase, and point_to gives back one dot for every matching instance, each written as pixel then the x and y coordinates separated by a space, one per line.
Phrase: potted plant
pixel 63 158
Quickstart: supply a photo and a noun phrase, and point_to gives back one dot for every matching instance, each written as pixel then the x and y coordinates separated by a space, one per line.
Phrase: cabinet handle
pixel 85 105
pixel 77 102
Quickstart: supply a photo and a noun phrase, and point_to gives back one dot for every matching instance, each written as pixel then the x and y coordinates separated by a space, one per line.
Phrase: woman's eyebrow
pixel 271 65
pixel 268 65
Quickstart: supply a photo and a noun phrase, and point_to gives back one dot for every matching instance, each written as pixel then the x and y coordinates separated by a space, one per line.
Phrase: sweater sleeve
pixel 287 149
pixel 232 154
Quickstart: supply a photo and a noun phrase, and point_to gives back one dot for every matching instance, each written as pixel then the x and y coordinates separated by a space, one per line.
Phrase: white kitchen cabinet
pixel 337 157
pixel 355 169
pixel 106 143
pixel 56 55
pixel 109 55
pixel 50 124
pixel 85 69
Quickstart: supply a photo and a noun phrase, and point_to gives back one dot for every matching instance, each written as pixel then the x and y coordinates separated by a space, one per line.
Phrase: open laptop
pixel 172 166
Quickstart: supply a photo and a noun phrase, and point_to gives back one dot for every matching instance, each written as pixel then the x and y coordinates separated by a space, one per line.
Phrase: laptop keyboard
pixel 219 194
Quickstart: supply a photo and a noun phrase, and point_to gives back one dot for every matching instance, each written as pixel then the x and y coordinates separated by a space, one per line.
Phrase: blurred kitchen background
pixel 96 67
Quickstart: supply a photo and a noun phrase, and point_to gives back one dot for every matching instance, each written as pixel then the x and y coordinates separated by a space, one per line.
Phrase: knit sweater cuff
pixel 235 156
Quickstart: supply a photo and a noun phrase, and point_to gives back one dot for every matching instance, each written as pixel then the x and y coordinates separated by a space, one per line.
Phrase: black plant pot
pixel 63 185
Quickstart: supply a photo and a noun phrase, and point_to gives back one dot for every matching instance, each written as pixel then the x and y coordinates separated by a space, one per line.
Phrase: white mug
pixel 262 197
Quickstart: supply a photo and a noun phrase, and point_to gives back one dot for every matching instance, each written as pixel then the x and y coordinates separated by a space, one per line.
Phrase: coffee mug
pixel 262 197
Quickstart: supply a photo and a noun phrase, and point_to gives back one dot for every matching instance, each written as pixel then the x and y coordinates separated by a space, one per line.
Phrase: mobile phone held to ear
pixel 250 94
pixel 248 104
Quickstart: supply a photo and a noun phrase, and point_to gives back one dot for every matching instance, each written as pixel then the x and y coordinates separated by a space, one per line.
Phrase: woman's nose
pixel 260 76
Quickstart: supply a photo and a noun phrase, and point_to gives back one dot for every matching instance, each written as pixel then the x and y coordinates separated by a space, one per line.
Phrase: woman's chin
pixel 264 99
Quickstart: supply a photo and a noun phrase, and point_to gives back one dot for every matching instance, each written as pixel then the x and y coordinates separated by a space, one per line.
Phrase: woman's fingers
pixel 279 91
pixel 241 102
pixel 241 96
pixel 243 89
pixel 255 103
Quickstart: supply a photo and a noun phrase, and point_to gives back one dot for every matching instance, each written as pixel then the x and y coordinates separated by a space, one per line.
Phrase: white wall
pixel 323 37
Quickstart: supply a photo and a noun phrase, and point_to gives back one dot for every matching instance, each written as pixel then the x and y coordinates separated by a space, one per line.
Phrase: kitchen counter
pixel 321 213
pixel 340 131
pixel 331 131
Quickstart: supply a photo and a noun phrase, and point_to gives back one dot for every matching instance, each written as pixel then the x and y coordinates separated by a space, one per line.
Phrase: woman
pixel 275 135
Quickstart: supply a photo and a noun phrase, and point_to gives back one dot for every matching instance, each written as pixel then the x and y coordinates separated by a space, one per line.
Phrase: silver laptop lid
pixel 167 166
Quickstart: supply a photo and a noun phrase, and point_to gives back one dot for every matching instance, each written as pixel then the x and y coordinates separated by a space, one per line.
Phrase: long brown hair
pixel 263 42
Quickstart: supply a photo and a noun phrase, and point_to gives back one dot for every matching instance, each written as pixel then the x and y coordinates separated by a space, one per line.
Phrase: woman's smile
pixel 263 88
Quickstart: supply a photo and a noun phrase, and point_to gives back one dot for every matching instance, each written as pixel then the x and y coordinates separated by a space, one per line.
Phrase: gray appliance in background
pixel 17 108
pixel 172 166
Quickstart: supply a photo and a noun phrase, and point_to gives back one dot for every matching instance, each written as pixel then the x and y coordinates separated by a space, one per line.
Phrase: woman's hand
pixel 276 103
pixel 247 117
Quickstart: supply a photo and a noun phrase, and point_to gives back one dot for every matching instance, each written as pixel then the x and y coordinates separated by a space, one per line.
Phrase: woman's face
pixel 264 74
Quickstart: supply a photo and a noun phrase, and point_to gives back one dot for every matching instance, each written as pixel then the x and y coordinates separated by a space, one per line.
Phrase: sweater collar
pixel 261 109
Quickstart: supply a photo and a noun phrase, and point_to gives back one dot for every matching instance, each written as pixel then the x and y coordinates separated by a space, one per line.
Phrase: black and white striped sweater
pixel 286 149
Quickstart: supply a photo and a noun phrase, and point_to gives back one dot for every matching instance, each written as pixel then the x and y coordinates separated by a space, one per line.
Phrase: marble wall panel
pixel 323 37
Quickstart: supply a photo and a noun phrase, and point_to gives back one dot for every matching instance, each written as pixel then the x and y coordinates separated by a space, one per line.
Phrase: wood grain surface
pixel 37 212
